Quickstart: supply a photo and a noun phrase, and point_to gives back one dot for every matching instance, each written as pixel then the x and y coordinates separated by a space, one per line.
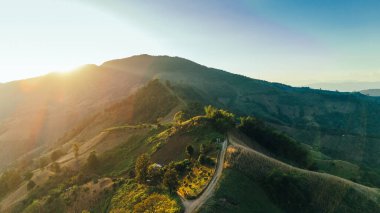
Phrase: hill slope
pixel 272 186
pixel 187 146
pixel 341 125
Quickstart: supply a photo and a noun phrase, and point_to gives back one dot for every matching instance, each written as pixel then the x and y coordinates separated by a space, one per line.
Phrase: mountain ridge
pixel 73 96
pixel 371 92
pixel 162 116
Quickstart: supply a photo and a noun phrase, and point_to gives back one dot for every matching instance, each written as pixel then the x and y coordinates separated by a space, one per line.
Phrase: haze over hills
pixel 371 92
pixel 353 86
pixel 125 108
pixel 56 102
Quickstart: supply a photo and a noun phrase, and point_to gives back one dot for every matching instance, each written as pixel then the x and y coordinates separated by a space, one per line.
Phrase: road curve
pixel 194 205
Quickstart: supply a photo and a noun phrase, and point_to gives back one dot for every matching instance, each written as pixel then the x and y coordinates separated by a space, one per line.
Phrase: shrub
pixel 154 174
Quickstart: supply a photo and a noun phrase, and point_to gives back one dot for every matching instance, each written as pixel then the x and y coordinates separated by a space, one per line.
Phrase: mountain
pixel 44 108
pixel 154 105
pixel 371 92
pixel 54 103
pixel 342 125
pixel 346 86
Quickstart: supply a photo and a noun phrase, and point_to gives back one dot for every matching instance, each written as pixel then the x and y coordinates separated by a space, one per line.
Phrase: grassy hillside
pixel 238 193
pixel 280 186
pixel 251 180
pixel 149 104
pixel 336 133
pixel 102 177
pixel 336 124
pixel 118 135
pixel 316 117
pixel 37 112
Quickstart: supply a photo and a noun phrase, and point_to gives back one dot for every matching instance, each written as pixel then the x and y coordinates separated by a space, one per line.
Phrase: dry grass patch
pixel 196 181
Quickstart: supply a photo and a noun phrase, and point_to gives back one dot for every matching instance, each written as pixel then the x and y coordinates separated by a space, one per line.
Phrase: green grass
pixel 295 190
pixel 170 144
pixel 122 158
pixel 344 169
pixel 239 193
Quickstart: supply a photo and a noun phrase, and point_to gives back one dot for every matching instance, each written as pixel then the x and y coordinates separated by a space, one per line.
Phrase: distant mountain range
pixel 371 92
pixel 346 86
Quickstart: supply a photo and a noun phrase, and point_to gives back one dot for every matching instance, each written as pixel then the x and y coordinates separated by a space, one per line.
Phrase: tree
pixel 171 180
pixel 189 151
pixel 92 161
pixel 76 150
pixel 141 168
pixel 154 174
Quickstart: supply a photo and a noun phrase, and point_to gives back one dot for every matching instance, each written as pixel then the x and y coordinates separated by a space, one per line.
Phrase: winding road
pixel 194 205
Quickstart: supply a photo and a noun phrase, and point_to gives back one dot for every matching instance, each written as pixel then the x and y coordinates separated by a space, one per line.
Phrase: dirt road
pixel 194 205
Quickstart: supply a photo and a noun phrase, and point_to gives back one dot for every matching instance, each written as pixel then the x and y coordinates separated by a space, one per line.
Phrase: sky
pixel 297 42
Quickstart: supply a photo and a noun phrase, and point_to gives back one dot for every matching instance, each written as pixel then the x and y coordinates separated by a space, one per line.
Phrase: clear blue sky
pixel 291 41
